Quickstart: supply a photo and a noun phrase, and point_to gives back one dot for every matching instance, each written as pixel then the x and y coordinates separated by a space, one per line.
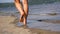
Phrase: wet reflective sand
pixel 40 20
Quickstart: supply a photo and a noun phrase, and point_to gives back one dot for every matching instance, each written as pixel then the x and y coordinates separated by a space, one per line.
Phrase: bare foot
pixel 21 18
pixel 25 20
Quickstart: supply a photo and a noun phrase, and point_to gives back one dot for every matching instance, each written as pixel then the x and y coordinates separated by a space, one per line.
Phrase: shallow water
pixel 39 12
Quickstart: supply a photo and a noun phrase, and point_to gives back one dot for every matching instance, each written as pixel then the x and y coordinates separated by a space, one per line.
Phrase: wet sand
pixel 7 26
pixel 52 21
pixel 42 19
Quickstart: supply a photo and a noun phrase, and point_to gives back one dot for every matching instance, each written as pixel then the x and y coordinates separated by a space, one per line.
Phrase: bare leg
pixel 23 10
pixel 20 8
pixel 25 6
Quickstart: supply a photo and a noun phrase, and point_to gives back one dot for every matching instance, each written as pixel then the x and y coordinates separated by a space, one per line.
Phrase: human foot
pixel 21 18
pixel 25 20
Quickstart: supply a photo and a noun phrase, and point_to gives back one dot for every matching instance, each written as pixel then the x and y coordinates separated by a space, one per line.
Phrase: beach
pixel 42 19
pixel 8 26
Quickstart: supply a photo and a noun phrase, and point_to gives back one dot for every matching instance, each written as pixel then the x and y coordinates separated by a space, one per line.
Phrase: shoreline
pixel 8 23
pixel 9 28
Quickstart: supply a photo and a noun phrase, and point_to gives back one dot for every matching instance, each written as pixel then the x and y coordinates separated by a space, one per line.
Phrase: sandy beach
pixel 7 26
pixel 42 19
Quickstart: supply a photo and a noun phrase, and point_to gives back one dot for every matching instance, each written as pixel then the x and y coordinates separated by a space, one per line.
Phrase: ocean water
pixel 39 6
pixel 37 11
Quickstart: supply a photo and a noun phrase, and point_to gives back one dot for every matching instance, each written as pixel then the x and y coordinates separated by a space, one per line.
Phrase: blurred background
pixel 38 10
pixel 35 6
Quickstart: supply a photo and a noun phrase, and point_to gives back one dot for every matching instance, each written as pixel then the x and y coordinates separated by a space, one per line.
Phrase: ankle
pixel 25 23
